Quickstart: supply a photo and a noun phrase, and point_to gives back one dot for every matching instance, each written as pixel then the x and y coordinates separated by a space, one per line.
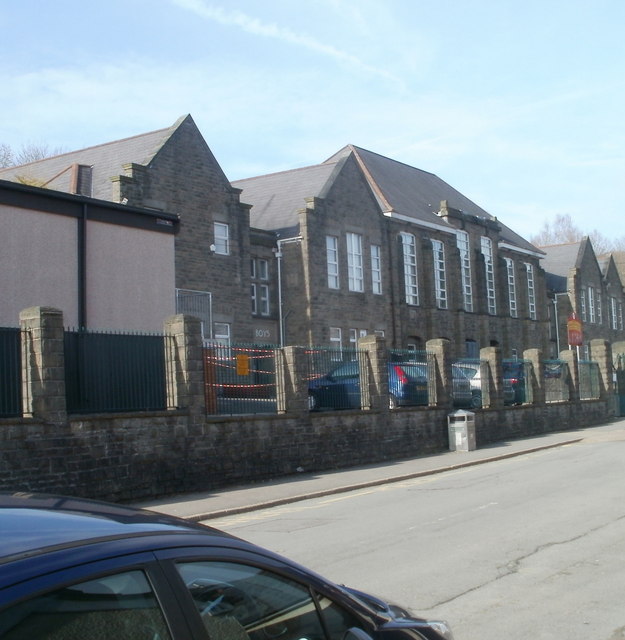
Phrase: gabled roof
pixel 560 258
pixel 398 188
pixel 277 197
pixel 417 194
pixel 107 160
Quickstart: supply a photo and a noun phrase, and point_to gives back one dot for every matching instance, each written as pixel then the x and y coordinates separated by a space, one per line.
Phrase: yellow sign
pixel 243 364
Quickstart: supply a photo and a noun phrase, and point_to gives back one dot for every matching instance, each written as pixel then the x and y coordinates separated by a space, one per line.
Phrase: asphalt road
pixel 526 547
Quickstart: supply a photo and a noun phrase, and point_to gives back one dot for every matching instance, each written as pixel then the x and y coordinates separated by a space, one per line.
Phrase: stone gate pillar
pixel 43 364
pixel 184 363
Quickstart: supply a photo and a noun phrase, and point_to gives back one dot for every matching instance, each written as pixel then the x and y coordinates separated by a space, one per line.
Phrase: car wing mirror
pixel 354 633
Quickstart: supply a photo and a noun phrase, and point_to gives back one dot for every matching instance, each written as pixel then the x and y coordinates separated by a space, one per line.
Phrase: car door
pixel 121 598
pixel 249 597
pixel 340 389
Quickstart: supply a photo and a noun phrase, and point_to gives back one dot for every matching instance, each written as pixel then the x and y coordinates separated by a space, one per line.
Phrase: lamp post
pixel 279 243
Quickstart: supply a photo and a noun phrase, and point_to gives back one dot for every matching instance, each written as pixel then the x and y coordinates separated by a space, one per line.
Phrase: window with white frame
pixel 462 241
pixel 511 287
pixel 582 304
pixel 354 334
pixel 613 313
pixel 599 307
pixel 531 290
pixel 260 291
pixel 222 333
pixel 620 316
pixel 222 238
pixel 487 252
pixel 263 269
pixel 263 306
pixel 376 269
pixel 440 277
pixel 411 286
pixel 379 332
pixel 254 299
pixel 332 259
pixel 592 310
pixel 336 342
pixel 355 272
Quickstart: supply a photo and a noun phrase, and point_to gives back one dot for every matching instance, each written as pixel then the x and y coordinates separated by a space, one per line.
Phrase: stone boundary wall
pixel 135 457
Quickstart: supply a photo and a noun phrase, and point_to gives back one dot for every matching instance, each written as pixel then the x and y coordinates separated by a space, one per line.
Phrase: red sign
pixel 574 329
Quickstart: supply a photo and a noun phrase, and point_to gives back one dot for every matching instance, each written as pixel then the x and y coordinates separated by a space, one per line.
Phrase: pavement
pixel 304 486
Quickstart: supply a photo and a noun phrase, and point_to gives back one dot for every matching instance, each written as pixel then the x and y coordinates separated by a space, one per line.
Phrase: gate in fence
pixel 239 379
pixel 620 383
pixel 10 373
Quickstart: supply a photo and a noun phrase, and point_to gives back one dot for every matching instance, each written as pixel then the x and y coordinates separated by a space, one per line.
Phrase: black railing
pixel 108 372
pixel 589 380
pixel 333 378
pixel 556 380
pixel 10 372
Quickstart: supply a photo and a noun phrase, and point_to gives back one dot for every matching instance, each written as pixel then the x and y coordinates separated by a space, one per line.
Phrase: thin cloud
pixel 254 26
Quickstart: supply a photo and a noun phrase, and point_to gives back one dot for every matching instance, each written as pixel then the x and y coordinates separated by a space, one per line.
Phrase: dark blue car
pixel 72 569
pixel 340 389
pixel 407 386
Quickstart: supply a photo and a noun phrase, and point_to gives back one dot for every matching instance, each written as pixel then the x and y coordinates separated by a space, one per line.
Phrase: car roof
pixel 31 523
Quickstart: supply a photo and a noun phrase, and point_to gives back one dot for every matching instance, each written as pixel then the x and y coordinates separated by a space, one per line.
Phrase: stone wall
pixel 137 456
pixel 130 457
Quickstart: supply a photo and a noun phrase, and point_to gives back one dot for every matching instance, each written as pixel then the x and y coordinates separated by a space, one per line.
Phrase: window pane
pixel 120 607
pixel 263 270
pixel 376 269
pixel 354 262
pixel 222 238
pixel 465 263
pixel 241 602
pixel 440 277
pixel 411 286
pixel 511 287
pixel 487 252
pixel 332 257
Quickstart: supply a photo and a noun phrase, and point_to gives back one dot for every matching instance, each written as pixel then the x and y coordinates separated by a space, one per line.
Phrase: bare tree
pixel 561 231
pixel 6 155
pixel 27 153
pixel 564 231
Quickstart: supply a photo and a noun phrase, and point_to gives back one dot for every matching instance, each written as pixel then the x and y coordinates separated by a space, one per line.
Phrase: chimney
pixel 81 181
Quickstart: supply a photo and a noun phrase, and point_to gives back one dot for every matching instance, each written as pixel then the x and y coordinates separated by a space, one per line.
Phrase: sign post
pixel 574 330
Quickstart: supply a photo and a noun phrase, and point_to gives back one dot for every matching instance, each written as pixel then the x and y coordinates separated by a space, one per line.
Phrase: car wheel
pixel 313 403
pixel 476 400
pixel 392 401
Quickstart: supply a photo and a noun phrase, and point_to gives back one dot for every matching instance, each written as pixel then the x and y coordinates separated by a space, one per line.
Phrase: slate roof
pixel 417 194
pixel 276 197
pixel 398 188
pixel 559 258
pixel 106 159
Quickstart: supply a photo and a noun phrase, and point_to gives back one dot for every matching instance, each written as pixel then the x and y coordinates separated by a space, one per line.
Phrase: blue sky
pixel 520 106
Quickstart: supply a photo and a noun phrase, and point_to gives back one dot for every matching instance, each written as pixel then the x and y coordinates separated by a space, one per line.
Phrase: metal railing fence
pixel 10 372
pixel 556 380
pixel 239 379
pixel 110 372
pixel 589 380
pixel 333 378
pixel 517 378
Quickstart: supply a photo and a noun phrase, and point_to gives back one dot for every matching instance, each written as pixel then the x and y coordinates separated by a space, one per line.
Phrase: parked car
pixel 514 375
pixel 407 385
pixel 473 372
pixel 73 569
pixel 340 389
